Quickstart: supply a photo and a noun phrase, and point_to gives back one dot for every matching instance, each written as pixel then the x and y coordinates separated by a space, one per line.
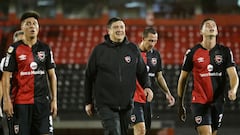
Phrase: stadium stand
pixel 73 40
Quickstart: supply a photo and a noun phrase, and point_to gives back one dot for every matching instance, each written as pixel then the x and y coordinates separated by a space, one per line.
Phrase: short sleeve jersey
pixel 209 72
pixel 153 62
pixel 1 67
pixel 29 67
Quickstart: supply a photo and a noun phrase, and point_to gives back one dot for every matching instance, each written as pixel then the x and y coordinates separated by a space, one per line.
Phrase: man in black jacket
pixel 111 75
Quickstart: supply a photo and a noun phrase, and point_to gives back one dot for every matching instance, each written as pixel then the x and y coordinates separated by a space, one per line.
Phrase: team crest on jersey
pixel 133 118
pixel 198 119
pixel 218 59
pixel 41 55
pixel 127 59
pixel 16 129
pixel 154 61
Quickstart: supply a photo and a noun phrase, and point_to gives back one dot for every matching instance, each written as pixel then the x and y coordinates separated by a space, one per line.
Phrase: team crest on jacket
pixel 127 59
pixel 154 61
pixel 41 55
pixel 218 59
pixel 198 119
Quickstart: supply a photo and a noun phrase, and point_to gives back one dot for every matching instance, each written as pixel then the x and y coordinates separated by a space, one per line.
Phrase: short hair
pixel 148 30
pixel 206 19
pixel 112 20
pixel 29 14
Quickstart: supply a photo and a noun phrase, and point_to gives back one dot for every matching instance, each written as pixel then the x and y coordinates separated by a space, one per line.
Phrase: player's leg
pixel 20 122
pixel 5 125
pixel 139 129
pixel 148 117
pixel 110 121
pixel 137 119
pixel 204 130
pixel 40 120
pixel 202 118
pixel 217 116
pixel 125 120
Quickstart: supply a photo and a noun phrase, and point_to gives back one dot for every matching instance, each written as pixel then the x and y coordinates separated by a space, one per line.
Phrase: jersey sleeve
pixel 50 63
pixel 230 60
pixel 188 61
pixel 160 64
pixel 10 60
pixel 2 63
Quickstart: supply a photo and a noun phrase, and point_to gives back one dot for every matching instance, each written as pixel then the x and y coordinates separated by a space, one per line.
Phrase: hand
pixel 148 92
pixel 182 113
pixel 232 95
pixel 88 109
pixel 171 99
pixel 54 108
pixel 8 107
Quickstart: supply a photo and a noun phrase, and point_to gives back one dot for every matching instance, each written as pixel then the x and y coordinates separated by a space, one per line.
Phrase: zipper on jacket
pixel 119 66
pixel 120 73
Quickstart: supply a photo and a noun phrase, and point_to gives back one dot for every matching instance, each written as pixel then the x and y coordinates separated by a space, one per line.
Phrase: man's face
pixel 117 31
pixel 30 27
pixel 150 41
pixel 209 28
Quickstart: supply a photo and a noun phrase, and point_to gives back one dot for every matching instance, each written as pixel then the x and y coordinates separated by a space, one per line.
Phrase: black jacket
pixel 111 74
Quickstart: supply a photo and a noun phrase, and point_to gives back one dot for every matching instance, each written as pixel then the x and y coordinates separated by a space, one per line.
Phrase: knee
pixel 204 130
pixel 139 129
pixel 111 127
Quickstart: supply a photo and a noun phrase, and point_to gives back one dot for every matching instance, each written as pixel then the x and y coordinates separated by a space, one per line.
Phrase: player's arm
pixel 234 82
pixel 53 86
pixel 181 89
pixel 7 104
pixel 162 83
pixel 90 75
pixel 1 94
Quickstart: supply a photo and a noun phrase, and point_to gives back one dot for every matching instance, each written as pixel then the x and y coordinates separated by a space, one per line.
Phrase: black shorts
pixel 142 113
pixel 29 119
pixel 208 114
pixel 138 113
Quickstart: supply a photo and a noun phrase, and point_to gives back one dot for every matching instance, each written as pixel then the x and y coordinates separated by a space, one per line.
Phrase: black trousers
pixel 114 122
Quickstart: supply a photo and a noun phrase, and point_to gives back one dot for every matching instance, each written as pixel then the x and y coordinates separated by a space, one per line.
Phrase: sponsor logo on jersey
pixel 33 65
pixel 38 72
pixel 127 59
pixel 210 67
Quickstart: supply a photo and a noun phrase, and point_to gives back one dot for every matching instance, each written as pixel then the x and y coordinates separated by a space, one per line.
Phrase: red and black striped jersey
pixel 153 63
pixel 30 68
pixel 209 72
